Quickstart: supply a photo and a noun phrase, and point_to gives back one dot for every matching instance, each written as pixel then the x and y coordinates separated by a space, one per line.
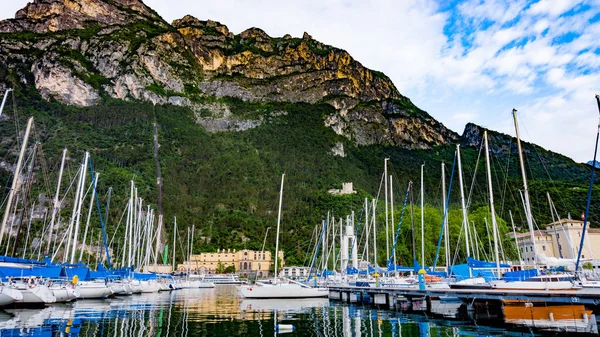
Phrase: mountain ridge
pixel 81 51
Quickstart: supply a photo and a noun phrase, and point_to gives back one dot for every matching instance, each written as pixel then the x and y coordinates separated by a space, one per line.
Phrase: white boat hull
pixel 282 290
pixel 34 295
pixel 150 286
pixel 9 295
pixel 91 290
pixel 65 293
pixel 533 285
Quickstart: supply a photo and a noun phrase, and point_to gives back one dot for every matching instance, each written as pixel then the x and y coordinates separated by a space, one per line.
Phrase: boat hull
pixel 91 290
pixel 533 285
pixel 282 291
pixel 65 293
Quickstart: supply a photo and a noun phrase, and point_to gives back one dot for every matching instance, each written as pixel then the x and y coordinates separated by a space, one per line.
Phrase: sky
pixel 461 61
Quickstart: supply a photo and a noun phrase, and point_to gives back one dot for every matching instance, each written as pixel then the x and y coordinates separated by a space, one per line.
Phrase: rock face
pixel 76 51
pixel 43 16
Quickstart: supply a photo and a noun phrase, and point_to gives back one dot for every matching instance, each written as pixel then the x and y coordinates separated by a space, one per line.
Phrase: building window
pixel 579 234
pixel 544 248
pixel 557 236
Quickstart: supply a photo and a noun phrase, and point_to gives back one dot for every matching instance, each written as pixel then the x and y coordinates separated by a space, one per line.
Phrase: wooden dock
pixel 389 295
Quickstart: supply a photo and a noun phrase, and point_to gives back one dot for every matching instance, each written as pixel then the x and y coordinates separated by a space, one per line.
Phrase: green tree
pixel 220 268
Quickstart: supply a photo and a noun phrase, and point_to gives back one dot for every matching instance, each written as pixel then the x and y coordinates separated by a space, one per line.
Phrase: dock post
pixel 428 301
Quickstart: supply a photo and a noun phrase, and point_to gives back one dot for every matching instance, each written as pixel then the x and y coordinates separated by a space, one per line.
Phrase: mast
pixel 367 226
pixel 79 203
pixel 412 223
pixel 463 206
pixel 492 210
pixel 56 205
pixel 374 235
pixel 446 233
pixel 516 242
pixel 131 216
pixel 157 246
pixel 174 237
pixel 589 196
pixel 422 220
pixel 4 100
pixel 342 246
pixel 392 216
pixel 387 222
pixel 15 181
pixel 87 223
pixel 278 225
pixel 525 191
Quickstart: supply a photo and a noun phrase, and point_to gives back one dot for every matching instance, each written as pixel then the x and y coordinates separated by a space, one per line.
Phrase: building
pixel 295 272
pixel 159 268
pixel 246 262
pixel 560 239
pixel 347 188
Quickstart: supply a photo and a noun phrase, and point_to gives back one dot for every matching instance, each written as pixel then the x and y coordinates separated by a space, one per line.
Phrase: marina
pixel 221 311
pixel 143 161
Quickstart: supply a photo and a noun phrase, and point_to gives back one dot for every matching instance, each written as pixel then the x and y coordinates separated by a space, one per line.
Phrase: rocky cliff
pixel 80 51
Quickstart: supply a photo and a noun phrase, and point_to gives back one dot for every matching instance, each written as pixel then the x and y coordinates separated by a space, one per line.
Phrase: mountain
pixel 591 163
pixel 233 112
pixel 78 51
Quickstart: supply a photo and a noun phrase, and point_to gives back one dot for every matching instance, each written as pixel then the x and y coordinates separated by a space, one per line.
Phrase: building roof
pixel 526 234
pixel 565 221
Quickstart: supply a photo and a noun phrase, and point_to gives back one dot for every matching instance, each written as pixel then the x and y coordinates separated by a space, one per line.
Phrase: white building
pixel 294 272
pixel 561 240
pixel 347 188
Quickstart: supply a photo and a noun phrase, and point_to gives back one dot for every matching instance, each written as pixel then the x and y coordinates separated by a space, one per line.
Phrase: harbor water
pixel 220 311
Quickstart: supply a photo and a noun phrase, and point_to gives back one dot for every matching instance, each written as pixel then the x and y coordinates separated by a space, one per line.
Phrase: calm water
pixel 220 312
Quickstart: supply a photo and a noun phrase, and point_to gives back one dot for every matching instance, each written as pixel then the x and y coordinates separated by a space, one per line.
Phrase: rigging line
pixel 505 187
pixel 44 166
pixel 474 176
pixel 16 117
pixel 309 245
pixel 119 224
pixel 389 261
pixel 589 194
pixel 99 208
pixel 458 245
pixel 437 252
pixel 543 162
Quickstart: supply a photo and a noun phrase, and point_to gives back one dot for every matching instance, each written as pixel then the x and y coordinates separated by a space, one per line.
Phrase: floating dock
pixel 391 296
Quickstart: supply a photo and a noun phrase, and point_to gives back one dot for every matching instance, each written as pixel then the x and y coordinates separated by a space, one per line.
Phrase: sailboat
pixel 539 282
pixel 278 288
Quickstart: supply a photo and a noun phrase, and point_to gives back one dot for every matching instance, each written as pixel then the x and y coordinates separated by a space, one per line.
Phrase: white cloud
pixel 552 7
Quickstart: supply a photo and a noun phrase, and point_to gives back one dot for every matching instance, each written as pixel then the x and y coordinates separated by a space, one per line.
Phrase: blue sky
pixel 462 61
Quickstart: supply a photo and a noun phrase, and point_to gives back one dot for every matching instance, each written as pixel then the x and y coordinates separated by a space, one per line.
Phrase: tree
pixel 229 270
pixel 220 268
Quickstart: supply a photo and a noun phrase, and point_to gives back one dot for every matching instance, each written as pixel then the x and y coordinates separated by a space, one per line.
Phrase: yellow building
pixel 246 262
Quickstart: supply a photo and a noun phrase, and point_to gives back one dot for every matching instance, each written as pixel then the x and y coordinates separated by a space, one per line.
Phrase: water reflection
pixel 221 312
